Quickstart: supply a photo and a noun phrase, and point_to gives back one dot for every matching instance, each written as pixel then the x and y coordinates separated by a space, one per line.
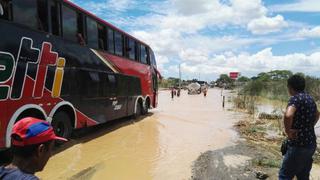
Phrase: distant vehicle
pixel 63 64
pixel 194 88
pixel 204 87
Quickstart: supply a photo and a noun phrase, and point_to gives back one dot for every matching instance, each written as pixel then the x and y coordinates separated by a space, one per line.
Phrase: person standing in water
pixel 205 92
pixel 172 93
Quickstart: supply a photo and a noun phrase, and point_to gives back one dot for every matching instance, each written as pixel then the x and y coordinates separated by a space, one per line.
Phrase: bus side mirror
pixel 1 10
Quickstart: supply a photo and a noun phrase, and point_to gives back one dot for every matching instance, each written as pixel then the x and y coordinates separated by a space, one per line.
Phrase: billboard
pixel 234 75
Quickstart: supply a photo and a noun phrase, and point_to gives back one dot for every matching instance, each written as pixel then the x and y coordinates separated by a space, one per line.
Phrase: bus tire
pixel 138 112
pixel 61 124
pixel 145 109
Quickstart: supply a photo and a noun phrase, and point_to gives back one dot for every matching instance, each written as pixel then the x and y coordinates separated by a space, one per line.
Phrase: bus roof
pixel 101 20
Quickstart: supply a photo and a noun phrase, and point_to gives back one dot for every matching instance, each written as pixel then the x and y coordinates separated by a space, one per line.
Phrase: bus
pixel 60 63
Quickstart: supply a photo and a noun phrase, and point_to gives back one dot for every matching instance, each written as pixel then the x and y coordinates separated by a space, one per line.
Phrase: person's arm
pixel 317 117
pixel 288 121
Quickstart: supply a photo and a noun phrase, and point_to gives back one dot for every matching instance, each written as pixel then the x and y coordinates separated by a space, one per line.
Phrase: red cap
pixel 30 131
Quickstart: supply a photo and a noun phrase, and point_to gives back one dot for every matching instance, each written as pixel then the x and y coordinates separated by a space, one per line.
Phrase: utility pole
pixel 179 76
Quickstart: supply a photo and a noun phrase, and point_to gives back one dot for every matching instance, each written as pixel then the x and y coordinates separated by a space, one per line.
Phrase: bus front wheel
pixel 61 124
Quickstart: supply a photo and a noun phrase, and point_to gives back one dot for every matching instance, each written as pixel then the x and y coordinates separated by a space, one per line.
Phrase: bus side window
pixel 54 15
pixel 152 58
pixel 137 50
pixel 80 29
pixel 5 10
pixel 92 33
pixel 25 13
pixel 143 54
pixel 102 37
pixel 42 17
pixel 69 24
pixel 118 43
pixel 131 46
pixel 110 41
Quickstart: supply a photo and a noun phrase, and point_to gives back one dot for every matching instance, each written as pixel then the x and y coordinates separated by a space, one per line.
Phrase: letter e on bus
pixel 6 70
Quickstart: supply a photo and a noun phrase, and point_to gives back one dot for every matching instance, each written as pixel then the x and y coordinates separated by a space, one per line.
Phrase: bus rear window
pixel 69 24
pixel 25 13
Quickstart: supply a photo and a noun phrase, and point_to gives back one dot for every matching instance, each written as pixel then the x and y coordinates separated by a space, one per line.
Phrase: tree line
pixel 272 84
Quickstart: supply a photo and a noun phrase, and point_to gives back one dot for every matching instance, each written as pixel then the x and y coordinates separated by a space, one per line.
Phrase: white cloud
pixel 193 55
pixel 189 7
pixel 310 33
pixel 119 5
pixel 100 8
pixel 252 64
pixel 300 6
pixel 265 25
pixel 174 32
pixel 190 16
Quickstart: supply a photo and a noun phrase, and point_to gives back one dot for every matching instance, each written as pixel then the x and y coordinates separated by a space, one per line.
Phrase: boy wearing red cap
pixel 32 144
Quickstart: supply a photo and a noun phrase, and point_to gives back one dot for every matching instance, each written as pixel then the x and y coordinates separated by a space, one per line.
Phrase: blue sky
pixel 211 37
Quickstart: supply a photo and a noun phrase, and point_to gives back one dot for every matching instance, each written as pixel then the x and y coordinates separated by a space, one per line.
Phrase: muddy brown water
pixel 162 145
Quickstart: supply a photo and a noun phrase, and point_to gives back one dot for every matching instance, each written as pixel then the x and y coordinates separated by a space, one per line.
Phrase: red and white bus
pixel 61 63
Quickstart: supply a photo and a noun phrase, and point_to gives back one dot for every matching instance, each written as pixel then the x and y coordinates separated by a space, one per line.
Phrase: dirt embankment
pixel 256 156
pixel 235 162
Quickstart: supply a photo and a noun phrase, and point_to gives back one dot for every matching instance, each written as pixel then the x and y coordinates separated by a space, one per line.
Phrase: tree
pixel 243 79
pixel 280 74
pixel 224 80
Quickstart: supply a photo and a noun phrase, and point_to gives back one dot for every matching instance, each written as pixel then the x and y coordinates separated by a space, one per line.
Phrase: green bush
pixel 273 85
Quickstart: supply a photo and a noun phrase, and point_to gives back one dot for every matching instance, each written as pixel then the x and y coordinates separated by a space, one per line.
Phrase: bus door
pixel 155 88
pixel 88 85
pixel 111 97
pixel 120 105
pixel 134 90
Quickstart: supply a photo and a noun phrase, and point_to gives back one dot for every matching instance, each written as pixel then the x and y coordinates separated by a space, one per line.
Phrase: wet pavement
pixel 162 145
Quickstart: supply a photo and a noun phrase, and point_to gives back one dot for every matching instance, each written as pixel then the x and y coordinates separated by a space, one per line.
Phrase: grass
pixel 267 162
pixel 256 129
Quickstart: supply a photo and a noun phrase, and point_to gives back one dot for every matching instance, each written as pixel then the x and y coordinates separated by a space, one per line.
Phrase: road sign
pixel 234 75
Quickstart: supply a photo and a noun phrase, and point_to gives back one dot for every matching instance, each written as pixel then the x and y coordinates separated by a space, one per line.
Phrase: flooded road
pixel 162 145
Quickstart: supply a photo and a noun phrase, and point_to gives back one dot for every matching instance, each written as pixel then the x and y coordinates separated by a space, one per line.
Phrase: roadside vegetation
pixel 265 129
pixel 273 85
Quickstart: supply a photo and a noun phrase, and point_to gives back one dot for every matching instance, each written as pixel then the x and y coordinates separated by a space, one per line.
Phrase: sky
pixel 207 38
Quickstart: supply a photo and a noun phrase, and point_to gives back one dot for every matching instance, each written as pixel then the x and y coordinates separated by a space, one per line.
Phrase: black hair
pixel 297 83
pixel 28 151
